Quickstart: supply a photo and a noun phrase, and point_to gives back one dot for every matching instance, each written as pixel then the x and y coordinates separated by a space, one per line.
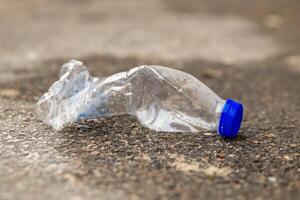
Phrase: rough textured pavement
pixel 247 50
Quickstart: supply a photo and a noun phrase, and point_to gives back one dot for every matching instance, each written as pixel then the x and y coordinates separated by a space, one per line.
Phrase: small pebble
pixel 293 145
pixel 286 157
pixel 221 155
pixel 231 155
pixel 272 179
pixel 9 93
pixel 207 134
pixel 270 135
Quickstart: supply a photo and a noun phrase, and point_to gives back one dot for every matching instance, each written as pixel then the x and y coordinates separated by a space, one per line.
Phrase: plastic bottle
pixel 161 98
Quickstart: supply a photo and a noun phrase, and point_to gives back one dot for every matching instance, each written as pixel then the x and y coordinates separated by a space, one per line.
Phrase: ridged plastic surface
pixel 162 99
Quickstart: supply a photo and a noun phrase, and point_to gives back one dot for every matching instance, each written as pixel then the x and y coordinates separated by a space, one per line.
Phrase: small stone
pixel 293 145
pixel 272 179
pixel 94 152
pixel 270 135
pixel 216 171
pixel 221 155
pixel 286 157
pixel 257 158
pixel 9 93
pixel 207 134
pixel 231 155
pixel 27 119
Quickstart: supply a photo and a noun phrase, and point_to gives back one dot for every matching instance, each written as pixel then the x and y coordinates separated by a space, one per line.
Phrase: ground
pixel 246 50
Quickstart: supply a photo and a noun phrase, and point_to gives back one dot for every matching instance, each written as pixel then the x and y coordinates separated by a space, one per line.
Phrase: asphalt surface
pixel 249 51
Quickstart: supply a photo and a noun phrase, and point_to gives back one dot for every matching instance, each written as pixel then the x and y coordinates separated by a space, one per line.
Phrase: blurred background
pixel 247 50
pixel 230 32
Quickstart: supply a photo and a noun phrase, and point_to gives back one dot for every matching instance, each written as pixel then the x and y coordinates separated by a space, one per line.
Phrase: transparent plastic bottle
pixel 161 98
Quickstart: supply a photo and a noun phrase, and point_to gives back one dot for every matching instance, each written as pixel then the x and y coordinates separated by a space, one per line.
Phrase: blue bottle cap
pixel 230 119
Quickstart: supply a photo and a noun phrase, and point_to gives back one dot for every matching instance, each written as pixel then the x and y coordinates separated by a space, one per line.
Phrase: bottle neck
pixel 218 112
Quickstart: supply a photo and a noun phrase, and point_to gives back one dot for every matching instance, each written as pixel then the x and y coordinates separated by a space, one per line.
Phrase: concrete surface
pixel 247 50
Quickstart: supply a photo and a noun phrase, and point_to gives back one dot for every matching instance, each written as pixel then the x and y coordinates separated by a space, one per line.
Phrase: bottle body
pixel 161 98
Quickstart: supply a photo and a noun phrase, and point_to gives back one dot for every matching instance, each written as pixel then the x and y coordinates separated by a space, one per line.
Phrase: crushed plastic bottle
pixel 161 98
